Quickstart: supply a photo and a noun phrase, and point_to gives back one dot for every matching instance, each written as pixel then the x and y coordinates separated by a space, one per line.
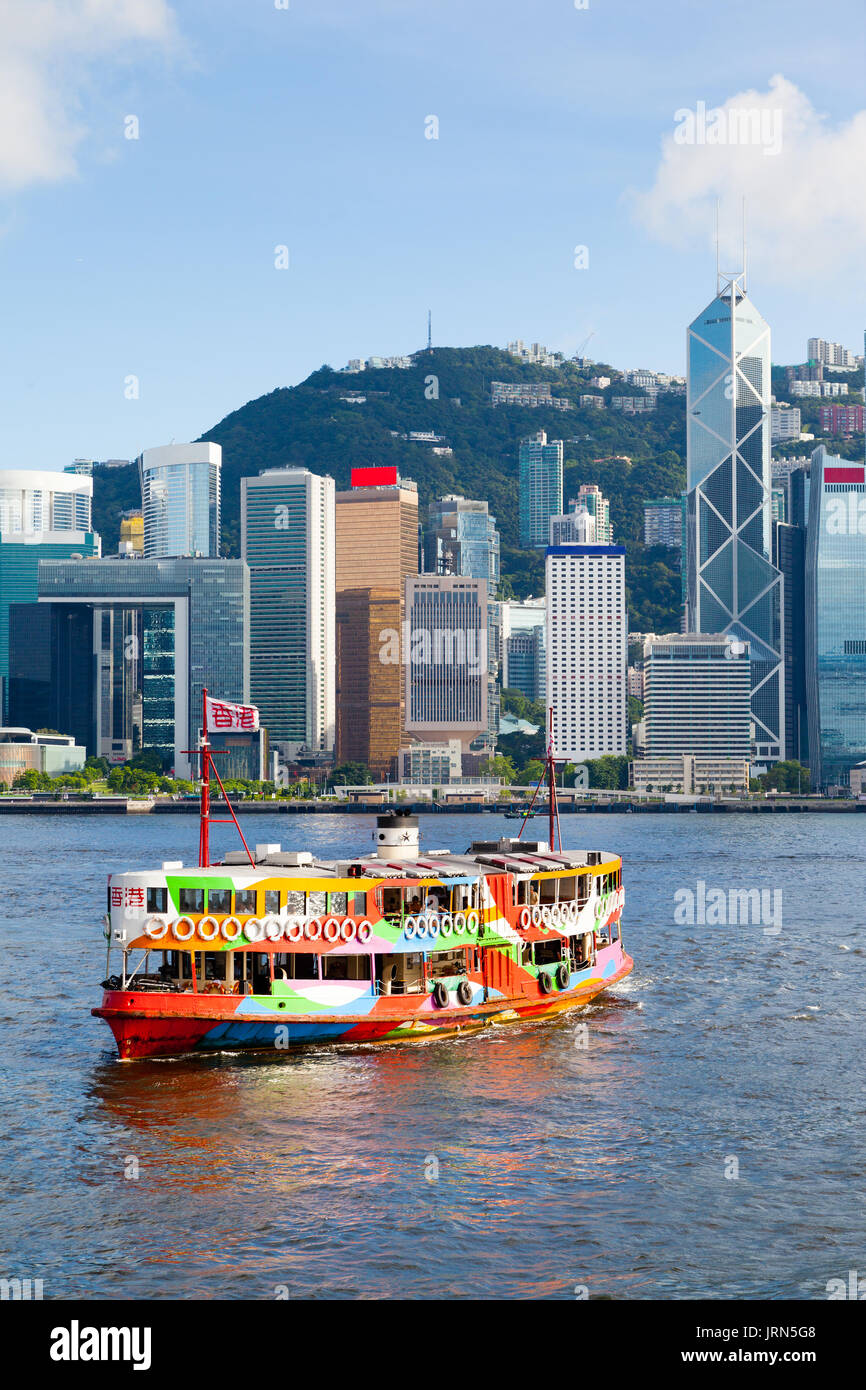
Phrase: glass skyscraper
pixel 161 631
pixel 462 539
pixel 288 540
pixel 180 500
pixel 836 618
pixel 732 585
pixel 540 466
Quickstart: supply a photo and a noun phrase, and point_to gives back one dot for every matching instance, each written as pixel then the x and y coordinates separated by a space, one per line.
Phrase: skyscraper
pixel 732 585
pixel 43 516
pixel 445 658
pixel 160 631
pixel 590 498
pixel 287 539
pixel 697 695
pixel 836 618
pixel 462 538
pixel 587 650
pixel 180 499
pixel 540 468
pixel 376 548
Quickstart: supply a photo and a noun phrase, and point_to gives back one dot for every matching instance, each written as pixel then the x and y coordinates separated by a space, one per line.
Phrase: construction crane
pixel 582 349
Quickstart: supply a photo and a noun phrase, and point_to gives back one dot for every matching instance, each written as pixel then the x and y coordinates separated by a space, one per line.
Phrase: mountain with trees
pixel 335 421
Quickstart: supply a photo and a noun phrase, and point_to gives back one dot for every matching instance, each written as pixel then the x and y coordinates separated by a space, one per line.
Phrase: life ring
pixel 178 934
pixel 208 936
pixel 464 992
pixel 313 930
pixel 294 929
pixel 525 918
pixel 430 929
pixel 253 929
pixel 446 926
pixel 439 995
pixel 545 984
pixel 536 916
pixel 273 928
pixel 333 934
pixel 347 929
pixel 460 923
pixel 573 911
pixel 599 909
pixel 545 919
pixel 155 929
pixel 231 922
pixel 472 920
pixel 410 928
pixel 563 975
pixel 365 931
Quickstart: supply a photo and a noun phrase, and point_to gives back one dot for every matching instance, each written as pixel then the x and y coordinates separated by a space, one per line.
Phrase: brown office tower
pixel 377 547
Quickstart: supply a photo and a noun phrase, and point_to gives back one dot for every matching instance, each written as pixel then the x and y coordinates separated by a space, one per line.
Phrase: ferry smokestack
pixel 396 836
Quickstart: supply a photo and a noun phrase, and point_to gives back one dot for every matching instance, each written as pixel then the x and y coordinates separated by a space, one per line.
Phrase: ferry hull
pixel 162 1025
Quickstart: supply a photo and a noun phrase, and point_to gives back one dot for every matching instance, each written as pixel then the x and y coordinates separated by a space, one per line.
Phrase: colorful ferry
pixel 275 949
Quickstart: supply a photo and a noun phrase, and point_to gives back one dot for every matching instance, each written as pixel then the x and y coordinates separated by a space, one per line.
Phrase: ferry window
pixel 567 889
pixel 295 902
pixel 548 890
pixel 191 899
pixel 446 963
pixel 391 901
pixel 215 965
pixel 301 965
pixel 359 904
pixel 157 900
pixel 317 903
pixel 245 900
pixel 338 903
pixel 219 900
pixel 345 967
pixel 272 900
pixel 547 951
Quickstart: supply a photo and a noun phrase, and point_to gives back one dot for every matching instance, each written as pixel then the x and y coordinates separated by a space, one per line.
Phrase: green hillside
pixel 310 425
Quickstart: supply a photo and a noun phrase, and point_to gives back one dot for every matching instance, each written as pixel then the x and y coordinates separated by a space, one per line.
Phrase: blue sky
pixel 261 127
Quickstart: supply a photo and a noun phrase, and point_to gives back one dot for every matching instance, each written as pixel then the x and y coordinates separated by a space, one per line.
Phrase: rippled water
pixel 558 1165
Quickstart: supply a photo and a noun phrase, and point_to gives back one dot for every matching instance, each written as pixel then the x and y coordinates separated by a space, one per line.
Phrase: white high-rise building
pixel 587 650
pixel 180 500
pixel 288 528
pixel 573 528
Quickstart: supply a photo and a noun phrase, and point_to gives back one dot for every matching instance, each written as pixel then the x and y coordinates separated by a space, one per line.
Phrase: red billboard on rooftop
pixel 374 477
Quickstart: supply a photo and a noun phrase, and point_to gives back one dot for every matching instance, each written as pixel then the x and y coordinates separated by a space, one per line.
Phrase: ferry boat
pixel 274 949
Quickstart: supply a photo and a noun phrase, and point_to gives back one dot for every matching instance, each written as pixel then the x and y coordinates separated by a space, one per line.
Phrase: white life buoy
pixel 472 920
pixel 545 919
pixel 294 929
pixel 313 930
pixel 460 923
pixel 365 931
pixel 536 916
pixel 273 928
pixel 347 929
pixel 331 929
pixel 446 925
pixel 573 911
pixel 410 928
pixel 525 918
pixel 155 929
pixel 253 929
pixel 208 936
pixel 178 934
pixel 233 935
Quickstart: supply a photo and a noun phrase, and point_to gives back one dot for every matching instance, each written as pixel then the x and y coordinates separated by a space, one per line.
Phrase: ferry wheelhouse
pixel 274 949
pixel 278 949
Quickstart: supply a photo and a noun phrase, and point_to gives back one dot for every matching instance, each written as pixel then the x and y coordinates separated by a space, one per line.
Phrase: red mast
pixel 204 831
pixel 205 752
pixel 554 829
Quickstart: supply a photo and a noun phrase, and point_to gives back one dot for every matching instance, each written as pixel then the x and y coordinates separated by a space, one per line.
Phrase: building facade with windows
pixel 664 522
pixel 180 500
pixel 836 618
pixel 288 527
pixel 446 660
pixel 159 632
pixel 43 516
pixel 587 650
pixel 697 694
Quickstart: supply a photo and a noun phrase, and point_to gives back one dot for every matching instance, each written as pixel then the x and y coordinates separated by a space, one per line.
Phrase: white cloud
pixel 47 48
pixel 801 177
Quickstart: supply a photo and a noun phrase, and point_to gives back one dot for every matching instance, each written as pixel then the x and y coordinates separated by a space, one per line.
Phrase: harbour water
pixel 701 1136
